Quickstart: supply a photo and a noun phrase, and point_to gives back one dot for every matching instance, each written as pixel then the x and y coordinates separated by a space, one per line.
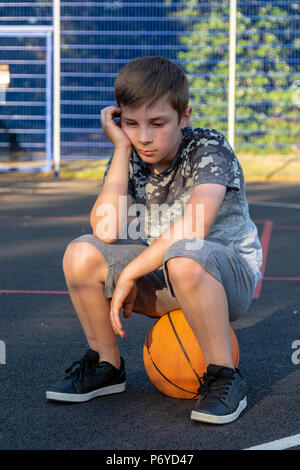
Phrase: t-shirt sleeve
pixel 130 189
pixel 214 161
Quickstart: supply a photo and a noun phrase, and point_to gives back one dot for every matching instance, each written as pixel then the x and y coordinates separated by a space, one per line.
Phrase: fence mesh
pixel 98 38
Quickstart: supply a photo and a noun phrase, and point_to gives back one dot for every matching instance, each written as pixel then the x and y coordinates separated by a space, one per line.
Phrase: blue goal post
pixel 20 112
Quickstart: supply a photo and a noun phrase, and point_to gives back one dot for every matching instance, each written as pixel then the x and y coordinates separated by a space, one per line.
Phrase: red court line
pixel 56 292
pixel 265 241
pixel 268 278
pixel 278 227
pixel 8 291
pixel 287 227
pixel 37 217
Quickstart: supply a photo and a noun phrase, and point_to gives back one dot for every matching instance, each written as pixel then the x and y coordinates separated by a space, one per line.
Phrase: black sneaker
pixel 88 380
pixel 222 396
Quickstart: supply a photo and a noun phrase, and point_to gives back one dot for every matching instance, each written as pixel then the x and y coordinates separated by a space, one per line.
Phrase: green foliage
pixel 266 110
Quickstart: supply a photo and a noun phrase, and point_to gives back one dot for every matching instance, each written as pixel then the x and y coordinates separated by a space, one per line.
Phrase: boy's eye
pixel 158 124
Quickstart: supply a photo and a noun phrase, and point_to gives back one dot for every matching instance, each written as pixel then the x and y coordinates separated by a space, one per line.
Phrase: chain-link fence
pixel 98 38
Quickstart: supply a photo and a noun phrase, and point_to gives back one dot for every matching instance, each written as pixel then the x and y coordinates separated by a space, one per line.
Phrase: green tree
pixel 266 116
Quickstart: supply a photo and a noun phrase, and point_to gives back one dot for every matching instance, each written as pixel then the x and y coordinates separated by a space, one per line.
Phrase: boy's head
pixel 149 79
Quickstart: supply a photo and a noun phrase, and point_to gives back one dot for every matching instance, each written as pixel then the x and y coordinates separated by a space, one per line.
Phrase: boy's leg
pixel 85 272
pixel 213 286
pixel 204 303
pixel 101 371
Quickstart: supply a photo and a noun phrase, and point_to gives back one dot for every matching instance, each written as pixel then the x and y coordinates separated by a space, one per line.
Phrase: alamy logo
pixel 2 352
pixel 156 221
pixel 296 353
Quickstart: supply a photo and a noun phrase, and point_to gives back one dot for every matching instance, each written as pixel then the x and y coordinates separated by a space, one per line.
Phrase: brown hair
pixel 149 78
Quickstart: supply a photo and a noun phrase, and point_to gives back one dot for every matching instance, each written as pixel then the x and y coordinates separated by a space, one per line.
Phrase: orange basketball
pixel 172 356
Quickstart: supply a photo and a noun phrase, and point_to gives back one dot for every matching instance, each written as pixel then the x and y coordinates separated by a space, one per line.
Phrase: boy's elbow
pixel 104 239
pixel 107 240
pixel 100 231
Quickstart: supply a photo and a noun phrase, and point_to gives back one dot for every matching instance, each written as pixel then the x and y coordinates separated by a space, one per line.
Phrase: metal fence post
pixel 56 86
pixel 231 72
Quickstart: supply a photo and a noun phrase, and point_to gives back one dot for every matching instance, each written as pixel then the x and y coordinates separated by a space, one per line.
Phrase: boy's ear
pixel 186 117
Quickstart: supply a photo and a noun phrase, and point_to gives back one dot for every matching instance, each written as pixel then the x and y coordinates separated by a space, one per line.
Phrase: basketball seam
pixel 183 350
pixel 166 378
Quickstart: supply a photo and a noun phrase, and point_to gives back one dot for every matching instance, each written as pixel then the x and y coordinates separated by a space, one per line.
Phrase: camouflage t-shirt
pixel 204 156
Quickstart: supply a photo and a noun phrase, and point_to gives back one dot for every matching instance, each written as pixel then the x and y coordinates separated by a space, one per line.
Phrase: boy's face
pixel 154 131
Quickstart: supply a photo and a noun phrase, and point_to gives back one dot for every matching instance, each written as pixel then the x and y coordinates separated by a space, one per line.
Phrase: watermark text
pixel 296 353
pixel 2 352
pixel 153 222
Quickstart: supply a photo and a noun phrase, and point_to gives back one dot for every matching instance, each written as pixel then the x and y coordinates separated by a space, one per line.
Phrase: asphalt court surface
pixel 42 335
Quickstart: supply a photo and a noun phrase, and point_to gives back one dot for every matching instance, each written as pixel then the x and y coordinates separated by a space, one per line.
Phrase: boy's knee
pixel 81 258
pixel 185 270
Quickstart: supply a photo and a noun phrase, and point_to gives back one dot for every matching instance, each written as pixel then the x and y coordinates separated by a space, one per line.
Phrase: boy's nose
pixel 145 136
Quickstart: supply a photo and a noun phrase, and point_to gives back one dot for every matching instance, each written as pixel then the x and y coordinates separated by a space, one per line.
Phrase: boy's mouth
pixel 147 153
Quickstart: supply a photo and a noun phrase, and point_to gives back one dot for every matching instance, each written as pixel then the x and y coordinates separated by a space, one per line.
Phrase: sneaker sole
pixel 79 398
pixel 215 419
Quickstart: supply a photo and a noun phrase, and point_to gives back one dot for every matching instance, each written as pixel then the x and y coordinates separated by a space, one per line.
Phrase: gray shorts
pixel 155 293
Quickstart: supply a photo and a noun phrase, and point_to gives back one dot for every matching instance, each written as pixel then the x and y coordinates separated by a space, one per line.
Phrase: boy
pixel 209 270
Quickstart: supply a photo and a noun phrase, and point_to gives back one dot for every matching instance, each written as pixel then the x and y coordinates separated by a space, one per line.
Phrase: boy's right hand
pixel 111 129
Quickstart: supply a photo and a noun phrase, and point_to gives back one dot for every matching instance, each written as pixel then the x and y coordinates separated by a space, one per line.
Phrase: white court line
pixel 274 204
pixel 280 444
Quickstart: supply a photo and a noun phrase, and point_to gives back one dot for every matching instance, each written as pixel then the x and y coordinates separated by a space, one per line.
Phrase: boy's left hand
pixel 124 296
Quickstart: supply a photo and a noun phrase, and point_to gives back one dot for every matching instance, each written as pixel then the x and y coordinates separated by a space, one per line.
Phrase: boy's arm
pixel 107 217
pixel 209 196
